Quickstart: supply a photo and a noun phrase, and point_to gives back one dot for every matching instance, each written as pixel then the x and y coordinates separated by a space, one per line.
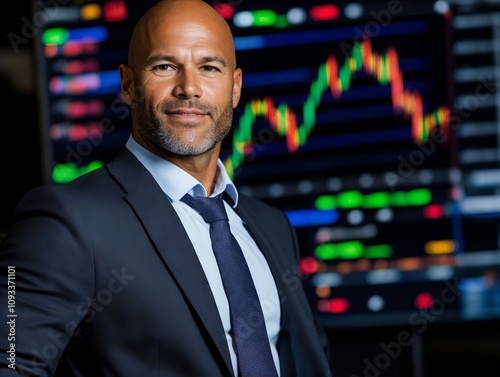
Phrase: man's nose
pixel 187 84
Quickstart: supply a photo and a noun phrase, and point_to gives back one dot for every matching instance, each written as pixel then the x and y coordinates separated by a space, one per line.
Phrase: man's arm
pixel 46 280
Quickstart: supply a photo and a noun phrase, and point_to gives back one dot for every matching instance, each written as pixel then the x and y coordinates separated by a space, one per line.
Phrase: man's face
pixel 186 87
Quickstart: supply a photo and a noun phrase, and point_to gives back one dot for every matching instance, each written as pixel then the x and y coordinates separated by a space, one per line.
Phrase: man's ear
pixel 237 82
pixel 127 82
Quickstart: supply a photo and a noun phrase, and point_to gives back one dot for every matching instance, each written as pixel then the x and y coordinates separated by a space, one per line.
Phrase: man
pixel 114 272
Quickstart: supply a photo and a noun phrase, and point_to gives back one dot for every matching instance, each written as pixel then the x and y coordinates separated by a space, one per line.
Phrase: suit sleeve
pixel 46 283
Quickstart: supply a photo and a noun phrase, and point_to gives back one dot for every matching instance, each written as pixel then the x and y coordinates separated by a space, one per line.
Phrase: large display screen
pixel 351 120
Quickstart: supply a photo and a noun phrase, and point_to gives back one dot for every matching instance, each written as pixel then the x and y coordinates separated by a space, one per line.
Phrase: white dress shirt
pixel 175 183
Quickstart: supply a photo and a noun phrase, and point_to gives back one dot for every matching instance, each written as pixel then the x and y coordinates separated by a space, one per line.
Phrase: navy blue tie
pixel 247 321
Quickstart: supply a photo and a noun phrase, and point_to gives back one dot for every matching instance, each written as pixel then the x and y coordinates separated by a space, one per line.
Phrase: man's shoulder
pixel 82 183
pixel 89 186
pixel 247 200
pixel 258 206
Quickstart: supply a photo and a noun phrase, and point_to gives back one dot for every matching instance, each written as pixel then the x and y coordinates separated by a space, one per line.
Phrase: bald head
pixel 182 82
pixel 173 17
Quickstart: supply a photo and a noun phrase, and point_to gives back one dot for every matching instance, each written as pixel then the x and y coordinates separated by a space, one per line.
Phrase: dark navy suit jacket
pixel 108 284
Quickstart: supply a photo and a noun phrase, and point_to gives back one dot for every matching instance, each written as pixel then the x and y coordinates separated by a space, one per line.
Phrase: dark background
pixel 445 350
pixel 20 146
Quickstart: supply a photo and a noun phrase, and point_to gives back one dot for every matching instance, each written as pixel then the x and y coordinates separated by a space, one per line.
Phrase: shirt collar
pixel 176 182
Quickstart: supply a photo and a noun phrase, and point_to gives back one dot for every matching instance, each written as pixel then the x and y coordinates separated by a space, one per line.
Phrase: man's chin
pixel 189 149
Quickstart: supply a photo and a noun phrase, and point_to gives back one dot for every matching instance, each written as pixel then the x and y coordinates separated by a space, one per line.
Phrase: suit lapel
pixel 263 237
pixel 296 322
pixel 171 241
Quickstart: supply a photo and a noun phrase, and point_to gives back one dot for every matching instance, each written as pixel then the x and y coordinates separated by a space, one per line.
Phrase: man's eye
pixel 163 67
pixel 210 68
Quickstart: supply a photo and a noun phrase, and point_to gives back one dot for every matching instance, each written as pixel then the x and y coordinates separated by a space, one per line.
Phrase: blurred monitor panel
pixel 373 125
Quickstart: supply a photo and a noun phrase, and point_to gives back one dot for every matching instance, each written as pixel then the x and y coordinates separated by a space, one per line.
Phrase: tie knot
pixel 211 209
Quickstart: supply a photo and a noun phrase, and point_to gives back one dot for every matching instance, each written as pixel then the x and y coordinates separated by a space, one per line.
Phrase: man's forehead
pixel 188 29
pixel 167 29
pixel 188 39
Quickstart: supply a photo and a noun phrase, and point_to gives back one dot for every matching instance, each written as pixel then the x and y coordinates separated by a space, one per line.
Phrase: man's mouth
pixel 187 115
pixel 187 112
